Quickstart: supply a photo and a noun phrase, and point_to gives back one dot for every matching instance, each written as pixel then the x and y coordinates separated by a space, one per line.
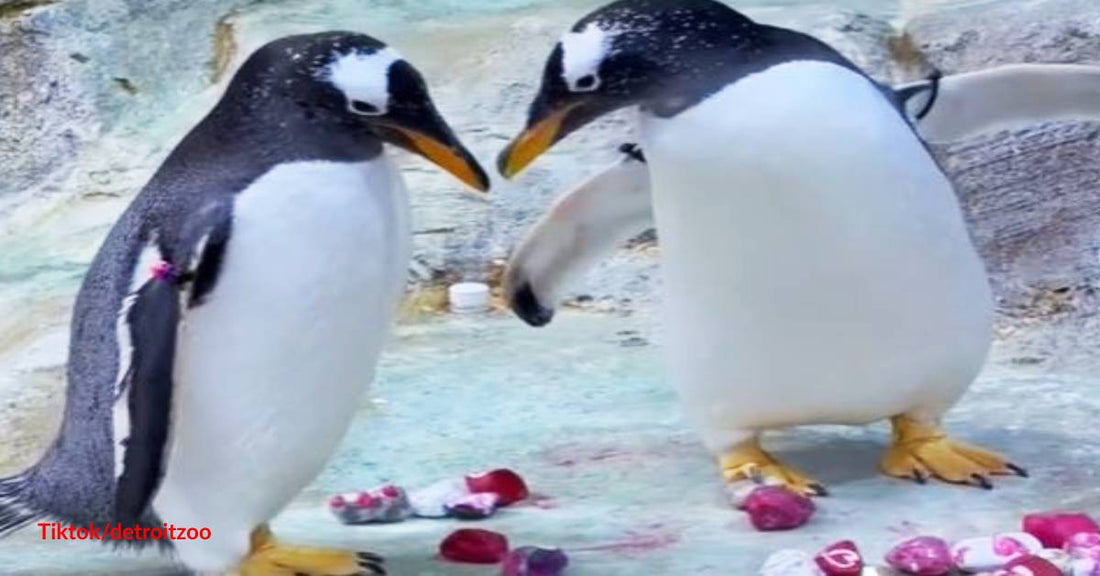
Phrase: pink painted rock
pixel 923 556
pixel 774 508
pixel 991 553
pixel 473 506
pixel 473 546
pixel 840 559
pixel 505 483
pixel 1083 545
pixel 1029 566
pixel 534 561
pixel 381 505
pixel 1053 529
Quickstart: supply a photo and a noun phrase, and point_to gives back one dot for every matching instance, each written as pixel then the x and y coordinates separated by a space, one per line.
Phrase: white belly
pixel 272 367
pixel 817 266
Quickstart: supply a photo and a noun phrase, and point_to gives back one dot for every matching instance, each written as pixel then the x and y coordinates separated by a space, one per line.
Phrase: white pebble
pixel 993 552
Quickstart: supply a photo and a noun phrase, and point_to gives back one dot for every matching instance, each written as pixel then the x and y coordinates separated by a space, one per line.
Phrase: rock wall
pixel 94 92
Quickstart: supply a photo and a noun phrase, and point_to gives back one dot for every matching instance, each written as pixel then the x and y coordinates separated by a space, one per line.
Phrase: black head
pixel 344 85
pixel 663 55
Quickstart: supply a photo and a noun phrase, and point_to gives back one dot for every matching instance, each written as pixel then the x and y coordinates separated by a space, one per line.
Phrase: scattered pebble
pixel 840 559
pixel 474 546
pixel 473 506
pixel 1084 567
pixel 1083 545
pixel 790 563
pixel 1029 566
pixel 1059 558
pixel 772 508
pixel 535 561
pixel 505 483
pixel 381 505
pixel 1053 529
pixel 431 501
pixel 990 553
pixel 923 556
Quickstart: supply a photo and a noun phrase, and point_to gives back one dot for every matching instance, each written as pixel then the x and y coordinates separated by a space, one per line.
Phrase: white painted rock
pixel 790 563
pixel 1059 558
pixel 431 501
pixel 990 553
pixel 1084 567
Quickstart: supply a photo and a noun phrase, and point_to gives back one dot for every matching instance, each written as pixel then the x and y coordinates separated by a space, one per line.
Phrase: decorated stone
pixel 1053 529
pixel 535 561
pixel 840 559
pixel 506 484
pixel 790 563
pixel 431 501
pixel 473 546
pixel 1084 567
pixel 1083 545
pixel 923 556
pixel 991 553
pixel 1029 566
pixel 1059 558
pixel 774 508
pixel 382 505
pixel 473 506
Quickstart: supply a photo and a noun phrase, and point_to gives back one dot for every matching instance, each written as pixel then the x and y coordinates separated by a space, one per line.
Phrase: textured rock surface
pixel 1032 195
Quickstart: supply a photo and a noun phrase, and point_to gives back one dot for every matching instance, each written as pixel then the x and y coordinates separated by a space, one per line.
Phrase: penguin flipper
pixel 152 320
pixel 582 226
pixel 964 105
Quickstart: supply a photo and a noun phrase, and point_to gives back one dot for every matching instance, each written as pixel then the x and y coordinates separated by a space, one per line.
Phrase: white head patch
pixel 582 53
pixel 364 77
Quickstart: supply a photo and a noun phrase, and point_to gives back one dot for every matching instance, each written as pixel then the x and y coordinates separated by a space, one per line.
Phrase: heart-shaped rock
pixel 840 559
pixel 991 553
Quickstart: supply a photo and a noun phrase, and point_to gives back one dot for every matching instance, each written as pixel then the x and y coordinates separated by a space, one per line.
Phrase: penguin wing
pixel 582 226
pixel 153 320
pixel 963 105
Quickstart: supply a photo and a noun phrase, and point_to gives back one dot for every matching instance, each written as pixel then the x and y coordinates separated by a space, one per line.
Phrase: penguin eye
pixel 364 108
pixel 586 83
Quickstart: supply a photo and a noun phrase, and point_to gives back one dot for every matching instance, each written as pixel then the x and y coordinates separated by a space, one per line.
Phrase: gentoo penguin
pixel 817 269
pixel 230 324
pixel 615 204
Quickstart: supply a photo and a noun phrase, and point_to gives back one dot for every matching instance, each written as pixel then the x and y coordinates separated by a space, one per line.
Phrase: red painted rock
pixel 1029 566
pixel 924 556
pixel 473 546
pixel 840 559
pixel 473 506
pixel 504 483
pixel 774 508
pixel 535 561
pixel 1053 529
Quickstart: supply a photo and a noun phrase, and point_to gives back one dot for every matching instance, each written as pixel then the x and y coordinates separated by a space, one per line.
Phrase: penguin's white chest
pixel 272 367
pixel 817 266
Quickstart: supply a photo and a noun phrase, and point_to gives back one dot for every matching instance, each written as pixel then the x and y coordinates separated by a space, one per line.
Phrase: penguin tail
pixel 16 510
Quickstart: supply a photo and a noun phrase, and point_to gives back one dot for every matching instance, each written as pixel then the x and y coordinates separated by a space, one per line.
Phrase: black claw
pixel 1017 470
pixel 819 490
pixel 982 481
pixel 919 477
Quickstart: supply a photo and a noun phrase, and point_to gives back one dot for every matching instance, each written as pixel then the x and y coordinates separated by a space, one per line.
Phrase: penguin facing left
pixel 231 322
pixel 817 267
